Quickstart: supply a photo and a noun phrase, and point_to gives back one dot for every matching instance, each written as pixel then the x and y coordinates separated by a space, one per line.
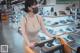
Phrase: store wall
pixel 58 7
pixel 51 2
pixel 61 7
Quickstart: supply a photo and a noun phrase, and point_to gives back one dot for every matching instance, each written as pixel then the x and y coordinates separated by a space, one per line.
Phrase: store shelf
pixel 56 16
pixel 75 44
pixel 60 25
pixel 78 15
pixel 16 2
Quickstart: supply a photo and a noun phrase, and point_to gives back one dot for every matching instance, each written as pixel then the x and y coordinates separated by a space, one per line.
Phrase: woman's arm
pixel 23 30
pixel 44 28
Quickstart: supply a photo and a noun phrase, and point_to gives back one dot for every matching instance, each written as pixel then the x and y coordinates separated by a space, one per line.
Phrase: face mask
pixel 35 10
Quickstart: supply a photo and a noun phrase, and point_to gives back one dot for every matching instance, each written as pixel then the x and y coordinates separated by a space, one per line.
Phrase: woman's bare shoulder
pixel 39 16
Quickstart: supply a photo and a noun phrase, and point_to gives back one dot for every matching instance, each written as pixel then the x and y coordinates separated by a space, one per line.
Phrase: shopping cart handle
pixel 41 44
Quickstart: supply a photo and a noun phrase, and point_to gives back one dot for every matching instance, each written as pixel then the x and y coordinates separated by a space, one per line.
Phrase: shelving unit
pixel 60 24
pixel 60 27
pixel 4 15
pixel 78 19
pixel 16 14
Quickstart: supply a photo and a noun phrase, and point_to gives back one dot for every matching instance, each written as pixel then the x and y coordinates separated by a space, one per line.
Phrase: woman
pixel 31 24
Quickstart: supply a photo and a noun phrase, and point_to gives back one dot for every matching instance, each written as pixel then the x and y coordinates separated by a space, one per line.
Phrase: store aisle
pixel 13 39
pixel 2 41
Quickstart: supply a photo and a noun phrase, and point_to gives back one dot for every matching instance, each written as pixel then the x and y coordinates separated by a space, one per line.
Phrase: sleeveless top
pixel 32 27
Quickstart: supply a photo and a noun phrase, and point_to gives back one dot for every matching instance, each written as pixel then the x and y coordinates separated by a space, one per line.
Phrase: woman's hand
pixel 32 45
pixel 50 37
pixel 57 37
